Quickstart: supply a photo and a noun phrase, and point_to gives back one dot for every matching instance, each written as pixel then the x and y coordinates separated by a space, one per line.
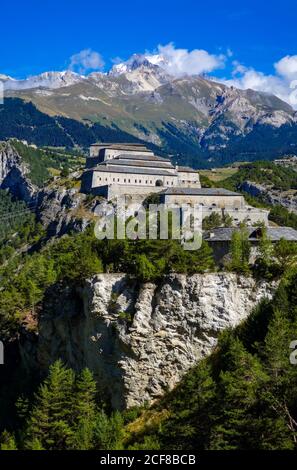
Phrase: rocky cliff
pixel 14 174
pixel 272 196
pixel 139 340
pixel 62 210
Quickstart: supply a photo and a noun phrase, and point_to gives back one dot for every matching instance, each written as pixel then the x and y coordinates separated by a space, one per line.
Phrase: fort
pixel 134 171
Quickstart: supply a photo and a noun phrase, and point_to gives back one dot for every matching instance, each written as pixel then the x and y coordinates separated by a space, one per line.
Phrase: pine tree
pixel 240 251
pixel 239 386
pixel 84 411
pixel 285 253
pixel 266 247
pixel 236 255
pixel 49 423
pixel 109 431
pixel 279 396
pixel 7 441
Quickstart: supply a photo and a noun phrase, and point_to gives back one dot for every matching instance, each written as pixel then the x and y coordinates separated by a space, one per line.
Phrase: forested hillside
pixel 23 121
pixel 264 173
pixel 267 175
pixel 187 141
pixel 243 397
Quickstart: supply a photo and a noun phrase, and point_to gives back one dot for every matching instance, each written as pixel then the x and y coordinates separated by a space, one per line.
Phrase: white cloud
pixel 287 67
pixel 86 60
pixel 283 83
pixel 179 62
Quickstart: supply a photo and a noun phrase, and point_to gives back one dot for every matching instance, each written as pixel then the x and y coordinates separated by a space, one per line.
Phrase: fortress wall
pixel 207 201
pixel 132 179
pixel 188 179
pixel 242 215
pixel 112 153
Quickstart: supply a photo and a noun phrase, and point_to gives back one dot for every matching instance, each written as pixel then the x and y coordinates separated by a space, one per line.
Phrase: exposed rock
pixel 14 174
pixel 288 199
pixel 56 211
pixel 140 341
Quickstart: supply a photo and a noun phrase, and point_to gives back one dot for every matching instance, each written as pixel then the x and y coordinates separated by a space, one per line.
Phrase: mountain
pixel 50 80
pixel 199 121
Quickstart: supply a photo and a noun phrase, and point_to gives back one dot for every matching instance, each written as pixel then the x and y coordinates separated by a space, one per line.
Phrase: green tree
pixel 265 262
pixel 84 411
pixel 279 396
pixel 240 251
pixel 109 431
pixel 50 418
pixel 239 387
pixel 214 220
pixel 144 270
pixel 285 253
pixel 7 441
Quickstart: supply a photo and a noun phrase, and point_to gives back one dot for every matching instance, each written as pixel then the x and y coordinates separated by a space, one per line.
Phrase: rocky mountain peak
pixel 51 80
pixel 135 62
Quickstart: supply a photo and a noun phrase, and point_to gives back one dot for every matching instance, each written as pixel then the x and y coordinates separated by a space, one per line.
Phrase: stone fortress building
pixel 115 169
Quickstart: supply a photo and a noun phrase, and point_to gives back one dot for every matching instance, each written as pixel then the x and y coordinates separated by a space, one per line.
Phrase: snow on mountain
pixel 45 80
pixel 144 72
pixel 3 77
pixel 136 61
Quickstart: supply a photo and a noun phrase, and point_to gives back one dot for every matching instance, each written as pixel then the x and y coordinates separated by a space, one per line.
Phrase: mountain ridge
pixel 193 118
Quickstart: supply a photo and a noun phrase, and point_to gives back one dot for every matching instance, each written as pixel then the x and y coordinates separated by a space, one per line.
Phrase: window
pixel 124 180
pixel 129 181
pixel 118 180
pixel 113 179
pixel 135 181
pixel 139 181
pixel 151 182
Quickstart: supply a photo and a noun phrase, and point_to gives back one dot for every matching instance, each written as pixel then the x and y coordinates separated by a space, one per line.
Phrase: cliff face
pixel 57 208
pixel 270 195
pixel 141 340
pixel 14 174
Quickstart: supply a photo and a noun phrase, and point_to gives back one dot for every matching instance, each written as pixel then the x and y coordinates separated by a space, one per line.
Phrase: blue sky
pixel 38 36
pixel 249 44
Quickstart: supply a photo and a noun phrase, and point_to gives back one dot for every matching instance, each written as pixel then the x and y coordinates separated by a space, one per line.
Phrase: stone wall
pixel 129 180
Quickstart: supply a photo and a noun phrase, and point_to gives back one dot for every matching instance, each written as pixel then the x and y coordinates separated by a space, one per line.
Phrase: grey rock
pixel 14 174
pixel 140 341
pixel 56 211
